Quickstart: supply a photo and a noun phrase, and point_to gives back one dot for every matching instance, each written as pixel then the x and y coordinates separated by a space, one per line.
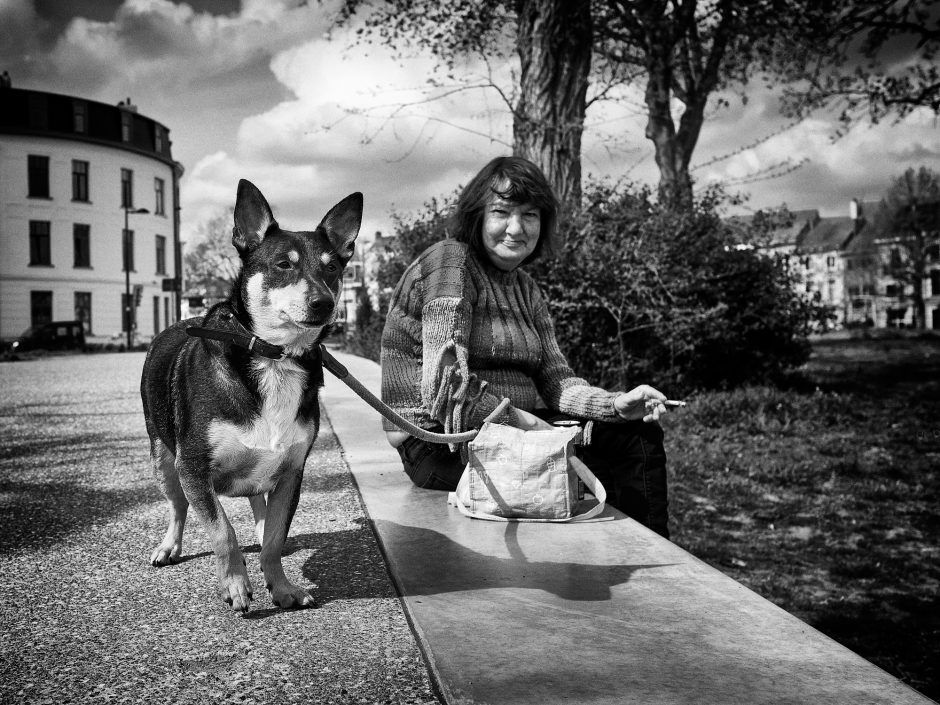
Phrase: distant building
pixel 353 283
pixel 72 172
pixel 361 277
pixel 378 253
pixel 847 263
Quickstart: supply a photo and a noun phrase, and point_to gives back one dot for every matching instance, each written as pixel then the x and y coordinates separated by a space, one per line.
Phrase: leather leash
pixel 258 346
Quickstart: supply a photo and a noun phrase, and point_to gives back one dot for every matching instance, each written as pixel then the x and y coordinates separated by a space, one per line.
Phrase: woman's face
pixel 510 231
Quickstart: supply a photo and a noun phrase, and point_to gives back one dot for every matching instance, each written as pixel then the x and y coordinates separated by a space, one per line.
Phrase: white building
pixel 72 173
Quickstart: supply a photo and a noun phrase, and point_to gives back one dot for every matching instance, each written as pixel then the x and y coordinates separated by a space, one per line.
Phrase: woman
pixel 467 327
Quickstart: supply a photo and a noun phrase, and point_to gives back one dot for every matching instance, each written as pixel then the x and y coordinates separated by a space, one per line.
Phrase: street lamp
pixel 127 271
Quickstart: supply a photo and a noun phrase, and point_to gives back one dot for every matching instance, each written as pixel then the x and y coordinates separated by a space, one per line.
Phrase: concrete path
pixel 86 619
pixel 604 612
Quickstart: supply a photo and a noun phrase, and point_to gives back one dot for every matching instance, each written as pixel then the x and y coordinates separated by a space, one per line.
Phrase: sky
pixel 272 91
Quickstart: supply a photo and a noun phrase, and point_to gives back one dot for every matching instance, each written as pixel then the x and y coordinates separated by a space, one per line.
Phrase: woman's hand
pixel 643 402
pixel 528 421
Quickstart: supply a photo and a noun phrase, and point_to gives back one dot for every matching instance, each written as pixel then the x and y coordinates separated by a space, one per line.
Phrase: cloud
pixel 356 121
pixel 20 29
pixel 166 45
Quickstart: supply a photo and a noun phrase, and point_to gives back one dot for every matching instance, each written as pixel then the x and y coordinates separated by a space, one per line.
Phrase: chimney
pixel 855 209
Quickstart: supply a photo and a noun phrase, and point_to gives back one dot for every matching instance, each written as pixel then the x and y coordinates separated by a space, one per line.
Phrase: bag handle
pixel 582 470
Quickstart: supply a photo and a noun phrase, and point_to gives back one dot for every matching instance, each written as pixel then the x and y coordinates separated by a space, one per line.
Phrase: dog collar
pixel 239 337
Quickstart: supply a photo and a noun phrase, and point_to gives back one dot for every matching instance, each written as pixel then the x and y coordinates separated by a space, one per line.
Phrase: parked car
pixel 58 335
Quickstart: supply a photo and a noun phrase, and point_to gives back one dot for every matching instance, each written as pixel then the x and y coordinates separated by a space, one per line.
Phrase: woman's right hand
pixel 528 421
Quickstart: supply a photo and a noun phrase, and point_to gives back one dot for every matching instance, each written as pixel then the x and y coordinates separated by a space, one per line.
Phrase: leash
pixel 261 347
pixel 340 372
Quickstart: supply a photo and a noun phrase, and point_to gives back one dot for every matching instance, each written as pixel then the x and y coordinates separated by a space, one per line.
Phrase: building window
pixel 125 126
pixel 38 176
pixel 156 315
pixel 166 311
pixel 159 190
pixel 128 249
pixel 80 116
pixel 830 262
pixel 81 239
pixel 79 180
pixel 161 254
pixel 158 139
pixel 935 282
pixel 40 249
pixel 40 307
pixel 127 188
pixel 896 260
pixel 892 290
pixel 83 309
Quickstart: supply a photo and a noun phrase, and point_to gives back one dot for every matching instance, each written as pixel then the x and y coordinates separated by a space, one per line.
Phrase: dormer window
pixel 80 116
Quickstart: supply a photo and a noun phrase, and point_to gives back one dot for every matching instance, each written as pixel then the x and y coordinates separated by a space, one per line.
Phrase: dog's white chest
pixel 248 459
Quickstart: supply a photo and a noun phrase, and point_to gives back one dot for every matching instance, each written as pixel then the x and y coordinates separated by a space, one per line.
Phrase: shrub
pixel 642 294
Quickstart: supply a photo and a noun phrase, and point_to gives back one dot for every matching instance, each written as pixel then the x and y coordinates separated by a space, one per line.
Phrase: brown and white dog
pixel 231 399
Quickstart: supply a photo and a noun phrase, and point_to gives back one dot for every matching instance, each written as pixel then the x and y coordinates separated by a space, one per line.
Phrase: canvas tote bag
pixel 516 475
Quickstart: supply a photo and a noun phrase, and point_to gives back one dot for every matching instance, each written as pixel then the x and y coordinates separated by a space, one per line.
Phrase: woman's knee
pixel 430 466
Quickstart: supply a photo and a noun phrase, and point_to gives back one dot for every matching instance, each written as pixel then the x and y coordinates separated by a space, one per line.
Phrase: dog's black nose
pixel 319 309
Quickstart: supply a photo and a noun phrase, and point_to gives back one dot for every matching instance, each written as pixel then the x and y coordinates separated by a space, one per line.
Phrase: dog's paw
pixel 166 555
pixel 286 595
pixel 236 591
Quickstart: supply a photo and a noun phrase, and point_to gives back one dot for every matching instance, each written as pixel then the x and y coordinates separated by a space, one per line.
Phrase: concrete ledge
pixel 603 612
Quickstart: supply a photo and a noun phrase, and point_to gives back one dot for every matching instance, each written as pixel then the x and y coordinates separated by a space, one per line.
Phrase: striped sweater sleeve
pixel 451 393
pixel 558 384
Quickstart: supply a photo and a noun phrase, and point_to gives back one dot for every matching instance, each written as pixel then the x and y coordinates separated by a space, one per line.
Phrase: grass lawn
pixel 823 497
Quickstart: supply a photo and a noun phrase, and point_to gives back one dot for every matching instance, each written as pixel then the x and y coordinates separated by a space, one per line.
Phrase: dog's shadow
pixel 347 565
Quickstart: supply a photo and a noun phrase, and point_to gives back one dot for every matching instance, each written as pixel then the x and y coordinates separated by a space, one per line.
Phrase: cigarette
pixel 671 402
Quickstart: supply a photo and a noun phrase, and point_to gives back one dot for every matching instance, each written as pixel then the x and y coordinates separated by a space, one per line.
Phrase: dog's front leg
pixel 282 502
pixel 234 585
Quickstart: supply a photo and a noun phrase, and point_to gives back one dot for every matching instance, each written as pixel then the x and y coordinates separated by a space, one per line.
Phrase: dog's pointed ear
pixel 342 224
pixel 253 217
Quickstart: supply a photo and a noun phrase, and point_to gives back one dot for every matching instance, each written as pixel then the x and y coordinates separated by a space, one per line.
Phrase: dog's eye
pixel 331 267
pixel 283 264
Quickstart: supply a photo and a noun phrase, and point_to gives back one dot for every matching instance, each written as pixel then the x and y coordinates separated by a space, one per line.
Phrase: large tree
pixel 553 40
pixel 687 55
pixel 691 52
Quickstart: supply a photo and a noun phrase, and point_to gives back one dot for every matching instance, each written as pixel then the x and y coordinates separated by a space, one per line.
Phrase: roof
pixel 828 234
pixel 801 221
pixel 43 114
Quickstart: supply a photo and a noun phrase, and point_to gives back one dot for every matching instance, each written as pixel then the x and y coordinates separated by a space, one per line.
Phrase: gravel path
pixel 84 616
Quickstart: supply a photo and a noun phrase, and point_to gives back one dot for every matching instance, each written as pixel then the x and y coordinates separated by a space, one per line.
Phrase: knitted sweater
pixel 461 334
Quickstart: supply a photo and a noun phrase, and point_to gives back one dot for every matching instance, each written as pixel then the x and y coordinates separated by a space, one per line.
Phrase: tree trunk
pixel 554 41
pixel 673 148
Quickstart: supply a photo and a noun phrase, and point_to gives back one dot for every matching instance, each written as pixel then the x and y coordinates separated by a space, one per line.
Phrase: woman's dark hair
pixel 517 180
